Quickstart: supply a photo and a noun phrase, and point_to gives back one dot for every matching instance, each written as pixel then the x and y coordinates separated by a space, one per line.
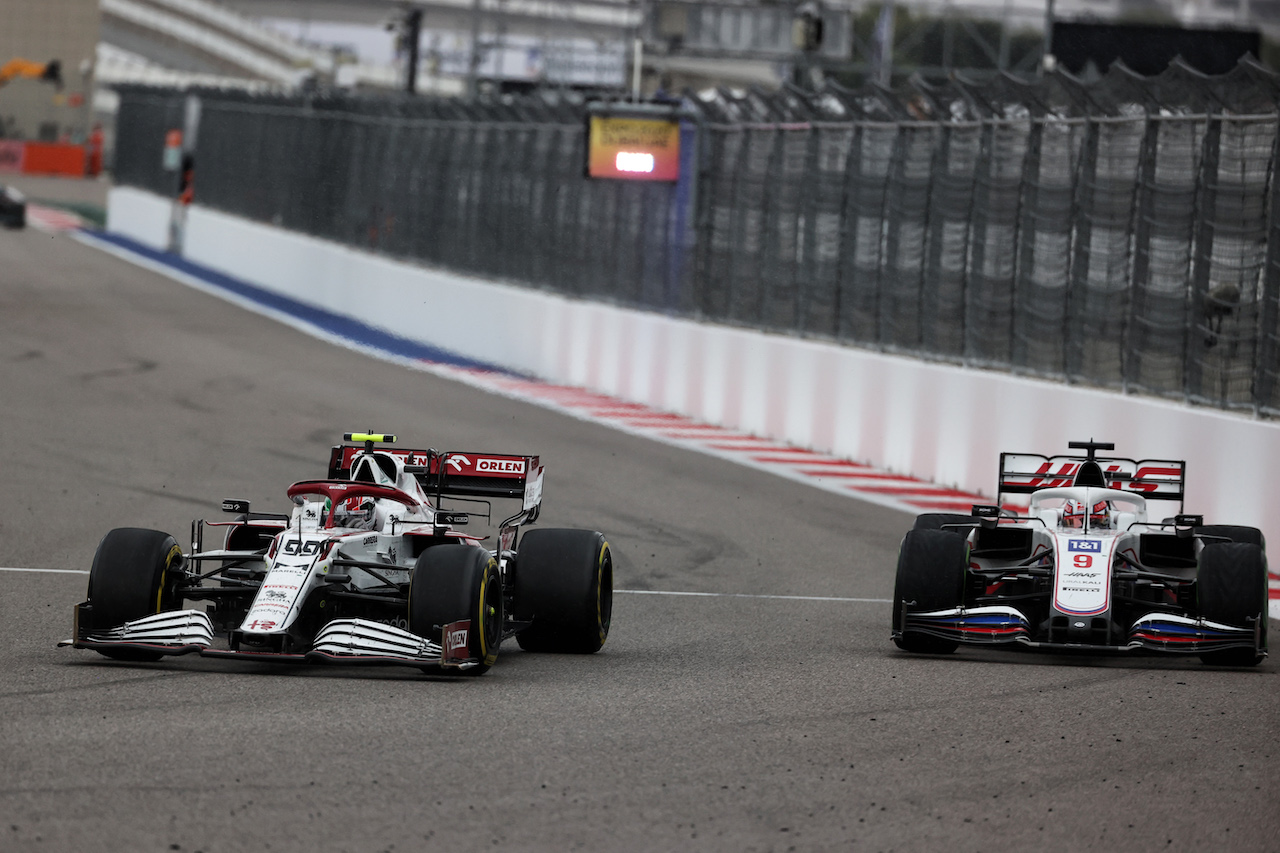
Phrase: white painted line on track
pixel 623 591
pixel 752 595
pixel 1274 604
pixel 47 571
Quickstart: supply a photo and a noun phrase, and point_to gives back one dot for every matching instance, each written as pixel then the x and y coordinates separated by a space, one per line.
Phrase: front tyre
pixel 931 573
pixel 1234 532
pixel 135 573
pixel 564 585
pixel 1231 588
pixel 451 583
pixel 936 520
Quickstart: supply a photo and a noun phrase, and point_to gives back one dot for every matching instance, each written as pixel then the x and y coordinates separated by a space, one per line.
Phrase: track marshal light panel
pixel 633 141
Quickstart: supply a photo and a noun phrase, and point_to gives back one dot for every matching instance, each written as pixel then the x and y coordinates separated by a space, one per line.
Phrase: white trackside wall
pixel 938 422
pixel 139 215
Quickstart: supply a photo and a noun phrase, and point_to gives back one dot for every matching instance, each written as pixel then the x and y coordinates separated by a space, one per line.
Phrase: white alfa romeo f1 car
pixel 1083 568
pixel 368 567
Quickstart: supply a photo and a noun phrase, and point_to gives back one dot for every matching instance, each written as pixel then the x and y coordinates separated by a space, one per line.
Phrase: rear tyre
pixel 455 582
pixel 1231 588
pixel 935 520
pixel 1234 532
pixel 135 573
pixel 931 573
pixel 564 584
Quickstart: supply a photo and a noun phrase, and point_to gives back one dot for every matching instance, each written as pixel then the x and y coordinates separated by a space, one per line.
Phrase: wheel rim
pixel 490 616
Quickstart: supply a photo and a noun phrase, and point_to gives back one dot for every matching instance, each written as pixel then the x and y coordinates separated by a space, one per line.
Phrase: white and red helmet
pixel 1073 513
pixel 356 513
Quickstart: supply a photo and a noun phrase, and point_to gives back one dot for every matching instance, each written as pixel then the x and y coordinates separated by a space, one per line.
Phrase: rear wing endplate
pixel 1153 479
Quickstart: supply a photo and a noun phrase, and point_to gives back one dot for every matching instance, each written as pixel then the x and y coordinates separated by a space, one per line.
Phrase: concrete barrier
pixel 138 215
pixel 938 422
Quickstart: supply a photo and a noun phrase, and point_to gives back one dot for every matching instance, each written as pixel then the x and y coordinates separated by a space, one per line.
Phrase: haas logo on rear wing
pixel 1154 479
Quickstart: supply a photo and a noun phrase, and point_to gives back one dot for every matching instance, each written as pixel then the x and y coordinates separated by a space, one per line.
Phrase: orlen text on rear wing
pixel 454 474
pixel 1154 479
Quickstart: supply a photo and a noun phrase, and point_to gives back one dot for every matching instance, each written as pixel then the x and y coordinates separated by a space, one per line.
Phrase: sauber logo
pixel 500 466
pixel 1092 545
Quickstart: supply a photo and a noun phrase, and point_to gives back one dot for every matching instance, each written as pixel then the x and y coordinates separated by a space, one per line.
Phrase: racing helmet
pixel 1073 513
pixel 355 513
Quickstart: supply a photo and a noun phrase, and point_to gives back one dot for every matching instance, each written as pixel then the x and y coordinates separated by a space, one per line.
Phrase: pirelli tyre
pixel 1234 532
pixel 451 583
pixel 931 574
pixel 1231 588
pixel 134 574
pixel 564 588
pixel 13 208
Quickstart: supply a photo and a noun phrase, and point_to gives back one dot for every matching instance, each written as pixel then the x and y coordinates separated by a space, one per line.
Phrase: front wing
pixel 1155 632
pixel 358 641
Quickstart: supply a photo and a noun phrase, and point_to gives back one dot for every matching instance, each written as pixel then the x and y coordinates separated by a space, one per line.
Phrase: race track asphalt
pixel 706 723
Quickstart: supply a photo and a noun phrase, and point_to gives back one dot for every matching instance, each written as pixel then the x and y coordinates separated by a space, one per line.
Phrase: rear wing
pixel 1153 479
pixel 453 474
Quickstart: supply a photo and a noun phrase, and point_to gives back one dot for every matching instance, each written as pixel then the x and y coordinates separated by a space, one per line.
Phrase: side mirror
pixel 235 505
pixel 988 516
pixel 1184 526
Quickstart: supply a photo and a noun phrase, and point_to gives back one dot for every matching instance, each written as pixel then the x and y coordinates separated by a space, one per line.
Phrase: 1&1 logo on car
pixel 1092 545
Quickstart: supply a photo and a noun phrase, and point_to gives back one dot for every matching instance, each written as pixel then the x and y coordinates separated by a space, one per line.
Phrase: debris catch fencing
pixel 1123 235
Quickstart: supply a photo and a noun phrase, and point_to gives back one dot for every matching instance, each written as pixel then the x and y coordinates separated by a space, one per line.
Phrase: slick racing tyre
pixel 935 520
pixel 134 574
pixel 931 573
pixel 455 582
pixel 1234 532
pixel 1231 588
pixel 564 584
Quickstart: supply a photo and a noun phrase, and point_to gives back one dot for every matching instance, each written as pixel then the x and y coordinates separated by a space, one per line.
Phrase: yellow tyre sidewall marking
pixel 486 656
pixel 175 551
pixel 604 549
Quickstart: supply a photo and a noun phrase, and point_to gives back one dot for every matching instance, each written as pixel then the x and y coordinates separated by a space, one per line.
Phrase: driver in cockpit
pixel 355 514
pixel 1074 512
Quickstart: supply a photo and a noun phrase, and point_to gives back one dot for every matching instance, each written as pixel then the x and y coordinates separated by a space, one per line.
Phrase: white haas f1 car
pixel 1084 569
pixel 367 568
